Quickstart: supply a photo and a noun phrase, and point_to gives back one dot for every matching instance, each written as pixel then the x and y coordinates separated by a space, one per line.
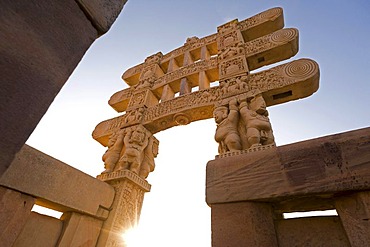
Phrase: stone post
pixel 126 209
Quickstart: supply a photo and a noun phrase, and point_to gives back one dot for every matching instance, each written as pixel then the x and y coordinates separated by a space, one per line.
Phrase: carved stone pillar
pixel 126 209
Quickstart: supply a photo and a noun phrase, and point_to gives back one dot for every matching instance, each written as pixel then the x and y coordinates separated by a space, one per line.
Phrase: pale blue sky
pixel 333 33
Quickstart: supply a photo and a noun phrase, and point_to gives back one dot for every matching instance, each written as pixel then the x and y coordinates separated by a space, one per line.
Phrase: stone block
pixel 354 211
pixel 242 224
pixel 314 231
pixel 15 209
pixel 329 165
pixel 57 185
pixel 102 13
pixel 41 43
pixel 40 230
pixel 79 230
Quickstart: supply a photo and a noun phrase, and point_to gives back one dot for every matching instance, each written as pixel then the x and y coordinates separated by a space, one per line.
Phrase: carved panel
pixel 233 67
pixel 270 41
pixel 229 39
pixel 258 19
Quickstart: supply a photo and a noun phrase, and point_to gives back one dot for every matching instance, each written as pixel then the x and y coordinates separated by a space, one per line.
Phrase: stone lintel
pixel 125 174
pixel 251 28
pixel 261 24
pixel 263 51
pixel 102 13
pixel 56 185
pixel 327 165
pixel 280 84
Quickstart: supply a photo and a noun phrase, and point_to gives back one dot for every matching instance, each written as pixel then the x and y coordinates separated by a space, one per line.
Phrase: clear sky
pixel 336 34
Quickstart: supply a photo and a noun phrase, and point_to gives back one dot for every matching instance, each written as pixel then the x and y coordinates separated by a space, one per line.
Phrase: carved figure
pixel 111 156
pixel 227 127
pixel 232 51
pixel 241 83
pixel 135 141
pixel 255 116
pixel 150 153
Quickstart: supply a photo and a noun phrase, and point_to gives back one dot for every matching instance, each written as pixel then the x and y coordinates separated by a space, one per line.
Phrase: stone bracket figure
pixel 112 155
pixel 254 114
pixel 133 148
pixel 242 123
pixel 227 119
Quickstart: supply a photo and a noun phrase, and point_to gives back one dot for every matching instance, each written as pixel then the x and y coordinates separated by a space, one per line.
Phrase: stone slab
pixel 242 224
pixel 57 185
pixel 41 43
pixel 79 230
pixel 314 231
pixel 326 165
pixel 102 13
pixel 354 211
pixel 40 230
pixel 15 209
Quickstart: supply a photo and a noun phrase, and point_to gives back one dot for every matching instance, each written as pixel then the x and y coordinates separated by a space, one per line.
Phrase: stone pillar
pixel 79 229
pixel 204 82
pixel 243 224
pixel 354 212
pixel 167 93
pixel 185 86
pixel 15 208
pixel 126 209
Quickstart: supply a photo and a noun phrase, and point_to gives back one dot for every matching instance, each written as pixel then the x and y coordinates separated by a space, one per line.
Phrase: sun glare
pixel 133 237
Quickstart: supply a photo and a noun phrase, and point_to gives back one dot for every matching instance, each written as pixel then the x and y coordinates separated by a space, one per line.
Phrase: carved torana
pixel 209 77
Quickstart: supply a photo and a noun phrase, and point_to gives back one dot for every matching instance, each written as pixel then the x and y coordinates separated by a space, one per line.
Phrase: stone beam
pixel 56 185
pixel 252 28
pixel 290 81
pixel 262 51
pixel 327 165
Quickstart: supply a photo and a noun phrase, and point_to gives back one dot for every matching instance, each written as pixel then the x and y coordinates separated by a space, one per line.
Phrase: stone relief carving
pixel 227 27
pixel 256 20
pixel 232 51
pixel 229 39
pixel 233 66
pixel 255 117
pixel 111 156
pixel 191 40
pixel 156 58
pixel 133 148
pixel 235 85
pixel 269 41
pixel 227 135
pixel 243 123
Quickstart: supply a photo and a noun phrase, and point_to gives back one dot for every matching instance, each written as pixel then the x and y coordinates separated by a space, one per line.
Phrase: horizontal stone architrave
pixel 266 50
pixel 251 28
pixel 283 83
pixel 57 185
pixel 328 165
